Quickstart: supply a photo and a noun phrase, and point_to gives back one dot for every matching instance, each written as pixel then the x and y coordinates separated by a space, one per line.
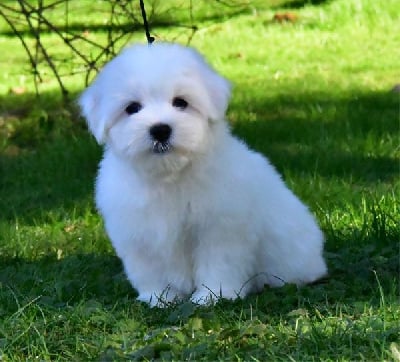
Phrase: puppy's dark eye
pixel 133 107
pixel 179 102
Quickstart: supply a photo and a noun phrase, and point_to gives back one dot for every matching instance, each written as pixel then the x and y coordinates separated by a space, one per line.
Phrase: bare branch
pixel 87 54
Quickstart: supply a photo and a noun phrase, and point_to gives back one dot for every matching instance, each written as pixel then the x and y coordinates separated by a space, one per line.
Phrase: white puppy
pixel 189 208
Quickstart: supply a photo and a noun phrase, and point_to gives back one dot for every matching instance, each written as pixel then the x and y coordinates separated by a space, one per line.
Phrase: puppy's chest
pixel 179 217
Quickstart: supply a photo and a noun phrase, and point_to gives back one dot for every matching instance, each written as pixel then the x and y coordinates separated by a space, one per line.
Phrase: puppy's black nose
pixel 160 132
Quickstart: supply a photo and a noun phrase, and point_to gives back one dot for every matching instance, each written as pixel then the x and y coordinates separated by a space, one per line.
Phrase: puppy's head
pixel 158 101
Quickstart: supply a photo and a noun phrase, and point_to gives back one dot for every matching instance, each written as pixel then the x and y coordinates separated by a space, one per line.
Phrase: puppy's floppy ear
pixel 217 87
pixel 90 104
pixel 219 91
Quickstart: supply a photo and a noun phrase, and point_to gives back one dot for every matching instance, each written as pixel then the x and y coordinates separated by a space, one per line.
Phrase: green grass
pixel 314 97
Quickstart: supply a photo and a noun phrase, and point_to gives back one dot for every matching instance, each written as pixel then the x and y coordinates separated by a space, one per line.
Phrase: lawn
pixel 315 96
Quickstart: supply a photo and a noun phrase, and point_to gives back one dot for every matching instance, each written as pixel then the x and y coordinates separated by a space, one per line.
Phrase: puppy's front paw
pixel 204 297
pixel 210 296
pixel 160 300
pixel 149 298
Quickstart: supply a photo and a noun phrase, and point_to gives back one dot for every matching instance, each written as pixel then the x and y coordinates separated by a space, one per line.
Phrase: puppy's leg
pixel 223 264
pixel 156 284
pixel 294 256
pixel 146 278
pixel 292 246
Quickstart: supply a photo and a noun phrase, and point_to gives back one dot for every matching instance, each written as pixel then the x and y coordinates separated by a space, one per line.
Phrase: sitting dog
pixel 189 208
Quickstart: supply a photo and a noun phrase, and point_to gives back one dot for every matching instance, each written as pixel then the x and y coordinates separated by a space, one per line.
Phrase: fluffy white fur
pixel 206 218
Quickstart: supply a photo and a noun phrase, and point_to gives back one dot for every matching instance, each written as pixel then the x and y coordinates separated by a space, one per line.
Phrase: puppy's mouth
pixel 161 147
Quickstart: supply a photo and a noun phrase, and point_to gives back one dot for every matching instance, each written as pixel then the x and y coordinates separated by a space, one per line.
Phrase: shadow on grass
pixel 356 275
pixel 48 163
pixel 47 169
pixel 297 4
pixel 333 137
pixel 48 160
pixel 51 163
pixel 61 282
pixel 159 21
pixel 88 297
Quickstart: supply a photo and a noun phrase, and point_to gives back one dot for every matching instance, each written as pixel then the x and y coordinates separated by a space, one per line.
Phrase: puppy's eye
pixel 179 102
pixel 133 107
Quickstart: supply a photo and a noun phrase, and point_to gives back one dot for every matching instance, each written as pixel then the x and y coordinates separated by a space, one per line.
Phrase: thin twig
pixel 42 48
pixel 25 46
pixel 35 16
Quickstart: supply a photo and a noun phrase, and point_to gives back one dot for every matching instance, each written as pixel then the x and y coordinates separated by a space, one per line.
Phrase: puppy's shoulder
pixel 111 166
pixel 117 182
pixel 243 153
pixel 250 165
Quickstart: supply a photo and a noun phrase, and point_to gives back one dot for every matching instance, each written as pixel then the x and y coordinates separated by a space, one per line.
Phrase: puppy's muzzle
pixel 160 134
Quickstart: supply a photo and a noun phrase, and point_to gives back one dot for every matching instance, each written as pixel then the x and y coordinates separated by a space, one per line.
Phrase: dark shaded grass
pixel 337 135
pixel 297 4
pixel 57 175
pixel 47 167
pixel 55 179
pixel 86 297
